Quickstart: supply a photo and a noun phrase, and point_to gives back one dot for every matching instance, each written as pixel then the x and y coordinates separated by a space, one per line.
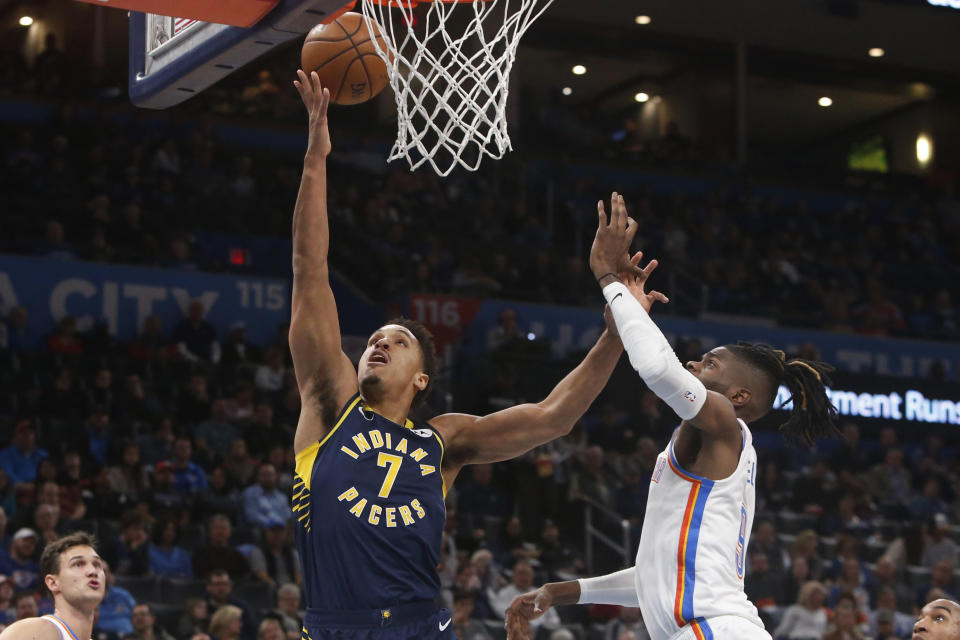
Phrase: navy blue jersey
pixel 368 501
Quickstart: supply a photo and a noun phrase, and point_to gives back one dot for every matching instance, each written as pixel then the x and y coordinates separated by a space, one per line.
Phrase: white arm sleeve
pixel 613 588
pixel 651 354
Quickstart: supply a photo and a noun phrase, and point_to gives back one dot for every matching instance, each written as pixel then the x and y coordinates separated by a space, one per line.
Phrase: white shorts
pixel 726 628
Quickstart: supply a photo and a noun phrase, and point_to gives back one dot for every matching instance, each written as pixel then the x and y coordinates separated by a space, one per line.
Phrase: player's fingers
pixel 315 82
pixel 632 227
pixel 659 297
pixel 324 102
pixel 635 259
pixel 615 212
pixel 651 267
pixel 601 214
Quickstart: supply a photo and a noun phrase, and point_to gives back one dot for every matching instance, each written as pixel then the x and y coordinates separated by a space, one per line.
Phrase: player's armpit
pixel 496 437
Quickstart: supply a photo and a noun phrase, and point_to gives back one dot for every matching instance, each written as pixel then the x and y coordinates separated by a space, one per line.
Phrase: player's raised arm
pixel 325 375
pixel 512 432
pixel 650 353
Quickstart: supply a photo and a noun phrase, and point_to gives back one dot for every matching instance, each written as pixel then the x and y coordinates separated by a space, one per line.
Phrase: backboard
pixel 173 58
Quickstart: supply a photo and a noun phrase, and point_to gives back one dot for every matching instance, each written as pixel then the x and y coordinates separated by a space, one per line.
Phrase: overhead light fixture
pixel 825 101
pixel 579 70
pixel 641 97
pixel 26 21
pixel 567 91
pixel 924 149
pixel 876 52
pixel 643 20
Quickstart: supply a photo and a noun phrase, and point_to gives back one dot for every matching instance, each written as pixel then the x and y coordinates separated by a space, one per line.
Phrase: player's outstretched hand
pixel 636 282
pixel 316 99
pixel 523 610
pixel 610 251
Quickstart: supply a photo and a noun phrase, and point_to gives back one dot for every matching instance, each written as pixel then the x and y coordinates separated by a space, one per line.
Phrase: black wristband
pixel 607 274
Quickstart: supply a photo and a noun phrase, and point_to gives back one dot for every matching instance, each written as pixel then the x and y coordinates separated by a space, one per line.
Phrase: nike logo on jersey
pixel 444 625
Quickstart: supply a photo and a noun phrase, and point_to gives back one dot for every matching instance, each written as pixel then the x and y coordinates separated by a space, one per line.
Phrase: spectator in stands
pixel 195 401
pixel 522 582
pixel 129 478
pixel 481 497
pixel 219 590
pixel 7 609
pixel 21 338
pixel 276 561
pixel 907 548
pixel 116 610
pixel 226 623
pixel 46 519
pixel 886 607
pixel 238 463
pixel 65 341
pixel 850 582
pixel 5 538
pixel 74 487
pixel 762 586
pixel 64 400
pixel 805 545
pixel 628 620
pixel 164 493
pixel 844 624
pixel 844 519
pixel 219 554
pixel 851 454
pixel 92 442
pixel 128 556
pixel 195 618
pixel 25 605
pixel 135 405
pixel 158 445
pixel 465 626
pixel 941 578
pixel 190 478
pixel 220 496
pixel 592 480
pixel 151 345
pixel 216 435
pixel 54 245
pixel 269 376
pixel 196 338
pixel 144 623
pixel 884 578
pixel 236 350
pixel 21 458
pixel 263 503
pixel 167 558
pixel 939 545
pixel 20 563
pixel 807 619
pixel 555 556
pixel 270 629
pixel 890 483
pixel 764 540
pixel 814 491
pixel 288 610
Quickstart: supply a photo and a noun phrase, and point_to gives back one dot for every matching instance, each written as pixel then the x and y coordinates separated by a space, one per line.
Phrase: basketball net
pixel 451 102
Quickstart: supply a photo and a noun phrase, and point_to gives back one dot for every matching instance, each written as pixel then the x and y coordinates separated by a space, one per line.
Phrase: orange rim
pixel 404 4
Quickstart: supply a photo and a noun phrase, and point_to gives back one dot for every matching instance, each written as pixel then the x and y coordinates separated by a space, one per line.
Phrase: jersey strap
pixel 62 627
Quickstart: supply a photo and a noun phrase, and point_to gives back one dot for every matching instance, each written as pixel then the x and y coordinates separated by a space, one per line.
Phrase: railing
pixel 593 533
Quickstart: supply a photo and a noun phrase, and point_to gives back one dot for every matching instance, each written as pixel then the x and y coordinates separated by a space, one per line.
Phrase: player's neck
pixel 394 410
pixel 78 620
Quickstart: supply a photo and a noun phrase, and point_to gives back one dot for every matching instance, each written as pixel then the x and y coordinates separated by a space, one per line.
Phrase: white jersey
pixel 692 550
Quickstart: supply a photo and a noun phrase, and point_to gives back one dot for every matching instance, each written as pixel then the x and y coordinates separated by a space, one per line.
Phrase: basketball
pixel 344 56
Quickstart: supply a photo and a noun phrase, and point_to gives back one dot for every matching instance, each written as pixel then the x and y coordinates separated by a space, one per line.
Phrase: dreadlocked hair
pixel 812 415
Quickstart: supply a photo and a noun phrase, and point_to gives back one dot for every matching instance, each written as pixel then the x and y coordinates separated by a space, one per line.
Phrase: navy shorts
pixel 413 621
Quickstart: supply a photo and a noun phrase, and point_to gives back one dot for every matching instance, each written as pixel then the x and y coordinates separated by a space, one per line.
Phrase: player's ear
pixel 420 381
pixel 51 581
pixel 740 396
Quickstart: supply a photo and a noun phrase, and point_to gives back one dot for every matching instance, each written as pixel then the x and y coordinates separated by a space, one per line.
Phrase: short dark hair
pixel 427 350
pixel 218 572
pixel 50 559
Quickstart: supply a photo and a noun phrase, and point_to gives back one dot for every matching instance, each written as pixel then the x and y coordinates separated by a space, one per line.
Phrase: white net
pixel 450 75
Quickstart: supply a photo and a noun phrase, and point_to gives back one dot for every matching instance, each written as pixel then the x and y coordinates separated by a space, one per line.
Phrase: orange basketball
pixel 345 58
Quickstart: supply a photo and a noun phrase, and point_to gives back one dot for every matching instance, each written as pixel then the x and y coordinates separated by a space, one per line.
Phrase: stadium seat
pixel 142 588
pixel 176 591
pixel 259 595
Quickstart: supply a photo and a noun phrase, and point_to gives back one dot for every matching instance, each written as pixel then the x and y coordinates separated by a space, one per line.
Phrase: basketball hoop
pixel 451 102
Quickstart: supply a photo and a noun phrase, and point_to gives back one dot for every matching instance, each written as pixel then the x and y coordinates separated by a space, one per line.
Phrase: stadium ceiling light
pixel 579 70
pixel 825 101
pixel 26 21
pixel 641 97
pixel 643 20
pixel 876 52
pixel 924 149
pixel 567 91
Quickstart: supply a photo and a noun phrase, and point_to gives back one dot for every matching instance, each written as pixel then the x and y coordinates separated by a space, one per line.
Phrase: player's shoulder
pixel 31 629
